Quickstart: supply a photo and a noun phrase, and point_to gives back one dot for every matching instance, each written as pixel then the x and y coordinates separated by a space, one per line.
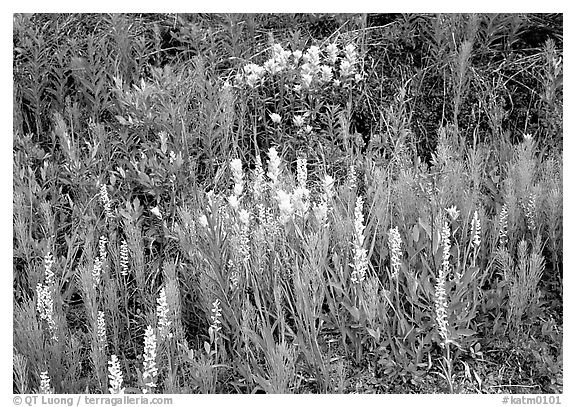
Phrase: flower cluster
pixel 215 325
pixel 44 296
pixel 348 64
pixel 102 248
pixel 99 261
pixel 48 273
pixel 453 212
pixel 360 264
pixel 285 206
pixel 124 258
pixel 273 167
pixel 45 306
pixel 309 68
pixel 351 180
pixel 445 237
pixel 240 237
pixel 96 272
pixel 275 117
pixel 238 176
pixel 101 330
pixel 529 208
pixel 162 312
pixel 253 75
pixel 503 225
pixel 150 370
pixel 301 193
pixel 45 387
pixel 115 376
pixel 234 275
pixel 105 200
pixel 394 243
pixel 440 297
pixel 475 230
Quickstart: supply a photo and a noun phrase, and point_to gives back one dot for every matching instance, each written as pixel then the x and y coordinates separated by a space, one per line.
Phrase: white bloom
pixel 124 258
pixel 150 370
pixel 360 264
pixel 328 185
pixel 299 200
pixel 440 297
pixel 326 73
pixel 308 129
pixel 238 176
pixel 233 202
pixel 244 217
pixel 453 212
pixel 102 248
pixel 215 325
pixel 346 68
pixel 358 77
pixel 312 56
pixel 254 69
pixel 101 330
pixel 298 121
pixel 45 383
pixel 162 312
pixel 156 212
pixel 252 80
pixel 297 55
pixel 284 205
pixel 272 66
pixel 350 53
pixel 275 118
pixel 280 56
pixel 301 171
pixel 475 229
pixel 48 273
pixel 352 177
pixel 45 307
pixel 503 225
pixel 394 243
pixel 332 53
pixel 445 236
pixel 115 376
pixel 273 166
pixel 297 87
pixel 97 272
pixel 105 200
pixel 203 221
pixel 306 80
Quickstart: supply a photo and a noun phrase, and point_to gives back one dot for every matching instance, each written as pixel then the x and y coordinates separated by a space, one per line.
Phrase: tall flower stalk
pixel 45 387
pixel 150 369
pixel 475 233
pixel 503 226
pixel 394 243
pixel 45 297
pixel 360 264
pixel 162 313
pixel 441 303
pixel 115 376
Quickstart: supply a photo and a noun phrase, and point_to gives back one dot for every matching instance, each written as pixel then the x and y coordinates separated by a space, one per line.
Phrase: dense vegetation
pixel 287 203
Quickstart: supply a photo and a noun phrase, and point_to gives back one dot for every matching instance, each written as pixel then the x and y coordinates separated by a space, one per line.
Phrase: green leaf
pixel 416 233
pixel 465 332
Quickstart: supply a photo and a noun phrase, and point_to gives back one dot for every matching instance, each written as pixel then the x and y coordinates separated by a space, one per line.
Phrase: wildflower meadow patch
pixel 256 203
